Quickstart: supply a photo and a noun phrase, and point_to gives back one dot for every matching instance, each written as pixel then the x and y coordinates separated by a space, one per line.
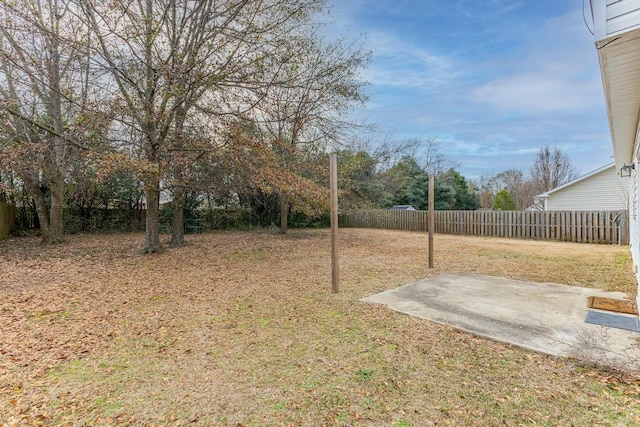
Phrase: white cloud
pixel 400 64
pixel 556 72
pixel 494 99
pixel 487 9
pixel 539 92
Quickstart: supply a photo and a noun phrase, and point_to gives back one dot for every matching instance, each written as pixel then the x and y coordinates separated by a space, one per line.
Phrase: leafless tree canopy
pixel 44 93
pixel 160 85
pixel 551 169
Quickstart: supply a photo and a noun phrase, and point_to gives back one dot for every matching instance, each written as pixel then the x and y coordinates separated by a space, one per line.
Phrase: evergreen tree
pixel 504 201
pixel 465 199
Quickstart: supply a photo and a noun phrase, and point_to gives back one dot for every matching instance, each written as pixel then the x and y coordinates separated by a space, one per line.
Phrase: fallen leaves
pixel 241 328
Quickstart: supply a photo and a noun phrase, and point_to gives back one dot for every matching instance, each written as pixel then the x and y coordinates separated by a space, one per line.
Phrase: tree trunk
pixel 152 235
pixel 41 208
pixel 177 228
pixel 284 214
pixel 56 220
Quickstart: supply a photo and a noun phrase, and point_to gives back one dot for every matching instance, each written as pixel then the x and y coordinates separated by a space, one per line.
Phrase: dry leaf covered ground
pixel 240 329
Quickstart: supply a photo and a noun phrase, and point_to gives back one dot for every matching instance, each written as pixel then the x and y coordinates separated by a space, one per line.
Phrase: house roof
pixel 577 180
pixel 619 64
pixel 403 208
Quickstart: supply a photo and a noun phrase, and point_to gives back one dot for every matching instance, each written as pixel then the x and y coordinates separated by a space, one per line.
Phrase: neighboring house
pixel 601 190
pixel 617 39
pixel 403 208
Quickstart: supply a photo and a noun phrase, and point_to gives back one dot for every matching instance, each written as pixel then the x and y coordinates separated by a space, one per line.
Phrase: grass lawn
pixel 240 329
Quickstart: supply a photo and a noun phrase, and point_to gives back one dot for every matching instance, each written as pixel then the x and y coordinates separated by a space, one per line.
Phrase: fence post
pixel 624 228
pixel 432 180
pixel 333 174
pixel 5 220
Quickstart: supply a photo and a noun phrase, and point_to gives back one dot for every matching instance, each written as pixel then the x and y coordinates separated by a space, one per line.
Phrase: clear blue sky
pixel 493 80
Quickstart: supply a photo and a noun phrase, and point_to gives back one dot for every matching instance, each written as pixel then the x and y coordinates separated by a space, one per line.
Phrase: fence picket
pixel 574 226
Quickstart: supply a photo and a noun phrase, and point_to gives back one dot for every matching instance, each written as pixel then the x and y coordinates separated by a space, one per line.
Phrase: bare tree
pixel 486 188
pixel 430 157
pixel 317 83
pixel 522 190
pixel 169 57
pixel 44 93
pixel 551 169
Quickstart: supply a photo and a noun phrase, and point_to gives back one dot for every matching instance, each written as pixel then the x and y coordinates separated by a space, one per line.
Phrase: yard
pixel 240 329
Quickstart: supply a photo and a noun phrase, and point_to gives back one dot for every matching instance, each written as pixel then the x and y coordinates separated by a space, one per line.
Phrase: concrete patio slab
pixel 544 317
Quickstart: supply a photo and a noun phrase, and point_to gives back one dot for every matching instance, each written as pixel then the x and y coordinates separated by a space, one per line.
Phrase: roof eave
pixel 618 61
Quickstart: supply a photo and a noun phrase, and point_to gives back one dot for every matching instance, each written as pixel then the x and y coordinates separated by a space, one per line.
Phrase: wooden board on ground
pixel 615 305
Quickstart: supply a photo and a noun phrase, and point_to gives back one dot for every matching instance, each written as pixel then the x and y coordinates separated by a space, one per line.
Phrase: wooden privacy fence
pixel 7 219
pixel 609 227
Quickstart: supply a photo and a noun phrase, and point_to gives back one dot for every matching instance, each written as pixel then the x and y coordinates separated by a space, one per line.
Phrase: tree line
pixel 221 103
pixel 368 180
pixel 235 99
pixel 515 189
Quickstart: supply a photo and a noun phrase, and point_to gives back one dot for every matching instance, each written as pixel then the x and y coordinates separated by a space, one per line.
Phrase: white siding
pixel 614 17
pixel 634 221
pixel 617 36
pixel 603 191
pixel 622 15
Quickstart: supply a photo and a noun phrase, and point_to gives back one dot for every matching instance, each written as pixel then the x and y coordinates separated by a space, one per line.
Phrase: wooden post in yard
pixel 431 217
pixel 333 180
